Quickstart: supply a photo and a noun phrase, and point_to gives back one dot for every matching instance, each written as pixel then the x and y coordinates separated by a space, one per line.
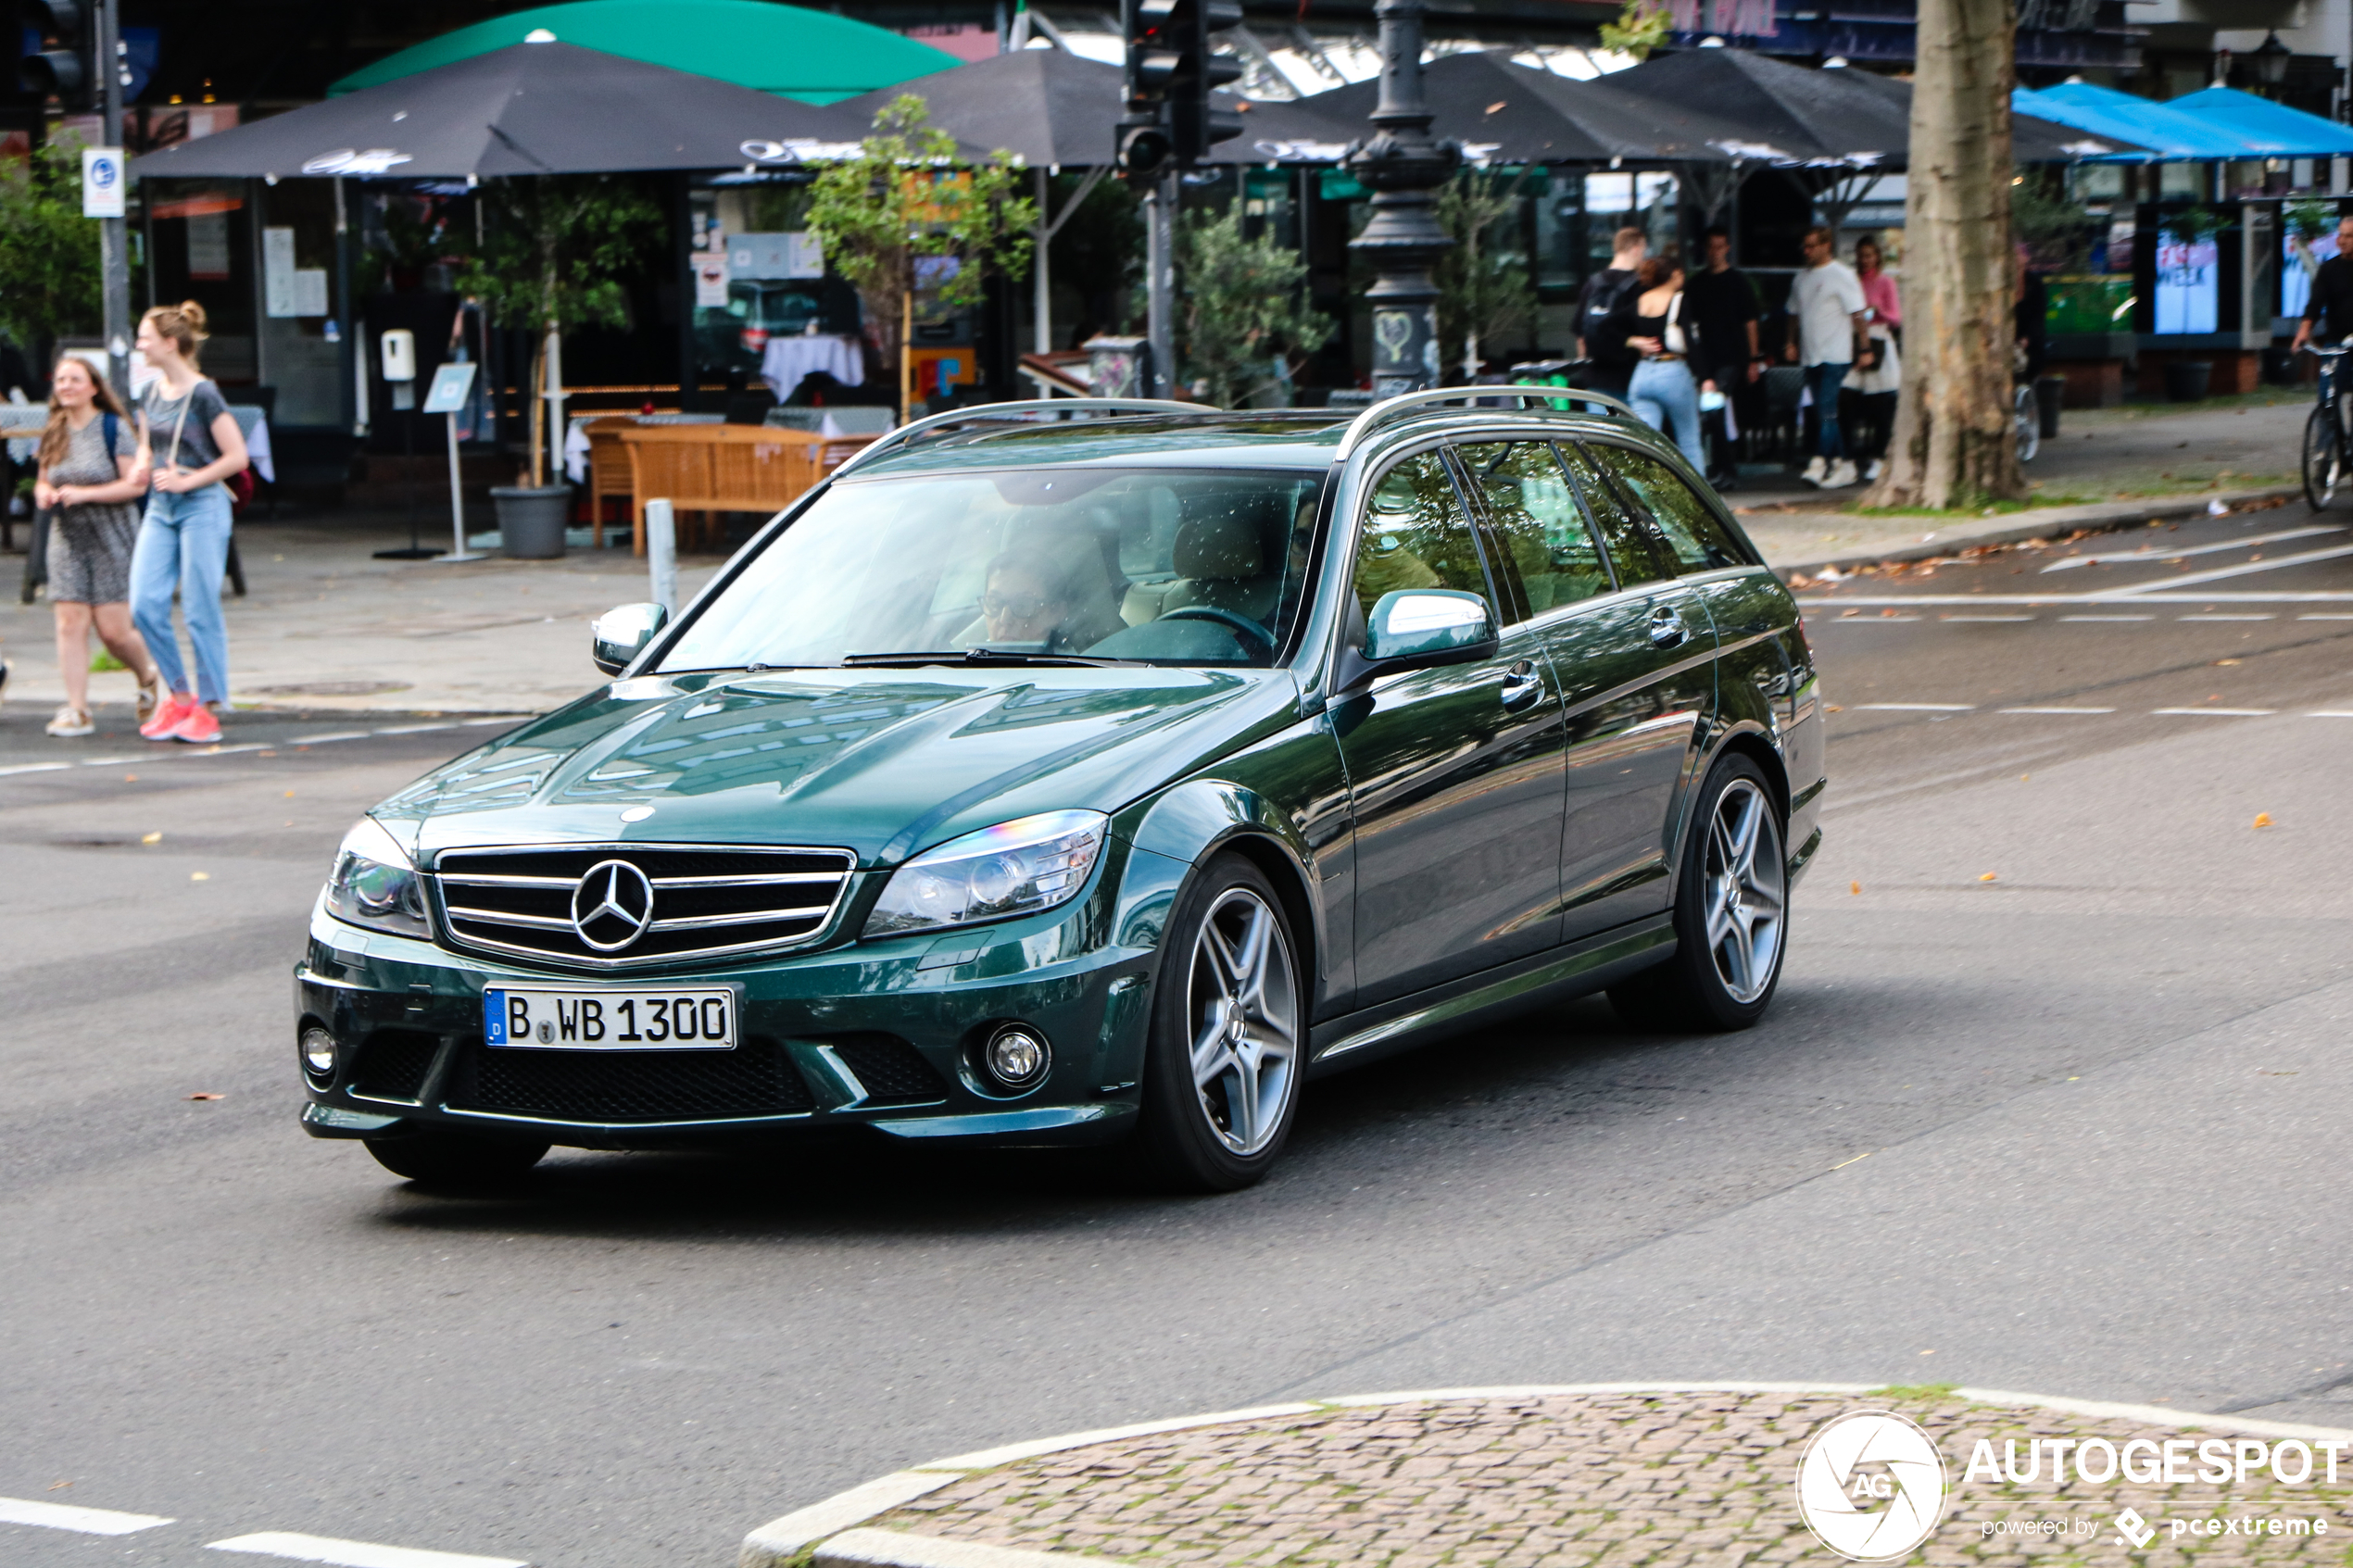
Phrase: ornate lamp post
pixel 1401 166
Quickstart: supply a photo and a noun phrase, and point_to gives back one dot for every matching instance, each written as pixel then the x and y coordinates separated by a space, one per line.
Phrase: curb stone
pixel 2100 517
pixel 831 1526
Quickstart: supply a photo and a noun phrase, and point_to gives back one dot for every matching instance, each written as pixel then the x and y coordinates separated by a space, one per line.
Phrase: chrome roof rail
pixel 1406 404
pixel 907 433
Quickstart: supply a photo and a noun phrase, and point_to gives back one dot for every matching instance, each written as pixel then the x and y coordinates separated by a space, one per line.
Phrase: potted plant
pixel 554 254
pixel 901 220
pixel 1243 310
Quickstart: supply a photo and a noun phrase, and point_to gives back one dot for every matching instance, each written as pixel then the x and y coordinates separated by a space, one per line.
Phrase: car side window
pixel 1531 515
pixel 1693 533
pixel 1632 556
pixel 1417 535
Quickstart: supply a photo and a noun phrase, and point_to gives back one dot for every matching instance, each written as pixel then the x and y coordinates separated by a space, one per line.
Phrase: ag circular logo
pixel 1872 1486
pixel 612 905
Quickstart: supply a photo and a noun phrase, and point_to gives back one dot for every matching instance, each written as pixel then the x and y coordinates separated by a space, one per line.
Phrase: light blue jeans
pixel 184 544
pixel 1664 393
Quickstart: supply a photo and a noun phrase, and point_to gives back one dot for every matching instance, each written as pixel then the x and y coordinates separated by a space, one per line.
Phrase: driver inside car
pixel 1027 601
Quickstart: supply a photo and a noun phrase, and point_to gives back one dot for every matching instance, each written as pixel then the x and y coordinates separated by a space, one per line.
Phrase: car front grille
pixel 756 1079
pixel 891 1071
pixel 393 1063
pixel 706 900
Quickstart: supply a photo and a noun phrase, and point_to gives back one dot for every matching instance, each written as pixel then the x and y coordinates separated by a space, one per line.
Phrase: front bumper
pixel 876 1036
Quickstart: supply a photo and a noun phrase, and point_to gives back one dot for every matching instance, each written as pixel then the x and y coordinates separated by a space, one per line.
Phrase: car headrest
pixel 1222 548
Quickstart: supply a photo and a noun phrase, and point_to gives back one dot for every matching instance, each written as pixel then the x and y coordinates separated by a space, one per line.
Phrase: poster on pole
pixel 451 383
pixel 102 181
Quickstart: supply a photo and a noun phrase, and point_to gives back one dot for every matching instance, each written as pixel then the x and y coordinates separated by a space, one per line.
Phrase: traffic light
pixel 1169 74
pixel 66 65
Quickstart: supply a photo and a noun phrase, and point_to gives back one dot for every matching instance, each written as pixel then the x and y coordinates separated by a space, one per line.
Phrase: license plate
pixel 677 1019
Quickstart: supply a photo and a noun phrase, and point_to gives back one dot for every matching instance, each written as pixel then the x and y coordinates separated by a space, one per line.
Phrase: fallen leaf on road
pixel 2222 661
pixel 130 778
pixel 1988 876
pixel 1855 888
pixel 59 1486
pixel 1928 1352
pixel 290 795
pixel 2262 819
pixel 203 1097
pixel 199 876
pixel 2023 777
pixel 151 838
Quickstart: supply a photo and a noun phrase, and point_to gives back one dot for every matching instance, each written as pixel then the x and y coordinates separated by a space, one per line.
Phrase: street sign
pixel 451 384
pixel 102 181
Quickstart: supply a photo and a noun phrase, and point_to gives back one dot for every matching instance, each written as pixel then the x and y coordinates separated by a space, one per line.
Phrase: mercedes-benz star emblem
pixel 612 905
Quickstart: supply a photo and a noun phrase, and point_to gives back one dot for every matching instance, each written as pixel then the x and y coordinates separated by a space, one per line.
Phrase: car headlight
pixel 374 883
pixel 1016 868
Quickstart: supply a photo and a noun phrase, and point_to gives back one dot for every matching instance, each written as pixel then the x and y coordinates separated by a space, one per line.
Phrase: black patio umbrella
pixel 2032 140
pixel 1501 112
pixel 528 108
pixel 1055 109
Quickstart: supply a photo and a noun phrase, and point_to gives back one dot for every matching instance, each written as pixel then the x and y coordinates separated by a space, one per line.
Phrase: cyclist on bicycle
pixel 2331 296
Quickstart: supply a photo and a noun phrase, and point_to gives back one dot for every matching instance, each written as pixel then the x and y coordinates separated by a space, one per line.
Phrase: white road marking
pixel 2221 712
pixel 2324 618
pixel 2108 558
pixel 2107 617
pixel 36 768
pixel 1977 618
pixel 494 718
pixel 2173 584
pixel 323 740
pixel 89 1521
pixel 2058 711
pixel 1918 706
pixel 2331 713
pixel 2265 617
pixel 416 729
pixel 355 1554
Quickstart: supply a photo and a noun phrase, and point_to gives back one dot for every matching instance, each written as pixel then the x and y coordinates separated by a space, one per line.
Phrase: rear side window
pixel 1417 535
pixel 1631 553
pixel 1536 520
pixel 1697 537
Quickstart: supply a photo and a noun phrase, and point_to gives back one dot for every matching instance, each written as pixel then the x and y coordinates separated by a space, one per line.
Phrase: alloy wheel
pixel 1243 1003
pixel 1746 892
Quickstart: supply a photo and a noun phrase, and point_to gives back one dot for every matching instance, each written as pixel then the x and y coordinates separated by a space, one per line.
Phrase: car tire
pixel 1228 1041
pixel 456 1160
pixel 1731 929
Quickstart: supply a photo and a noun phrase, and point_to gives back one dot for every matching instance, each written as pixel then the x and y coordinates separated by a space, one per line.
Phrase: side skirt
pixel 1591 965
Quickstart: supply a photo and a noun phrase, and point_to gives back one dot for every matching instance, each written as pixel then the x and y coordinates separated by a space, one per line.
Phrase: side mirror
pixel 620 635
pixel 1415 627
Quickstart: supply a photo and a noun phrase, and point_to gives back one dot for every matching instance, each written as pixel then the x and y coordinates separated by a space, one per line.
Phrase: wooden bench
pixel 608 472
pixel 713 469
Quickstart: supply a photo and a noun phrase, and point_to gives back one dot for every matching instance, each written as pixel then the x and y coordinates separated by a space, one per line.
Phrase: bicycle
pixel 2324 441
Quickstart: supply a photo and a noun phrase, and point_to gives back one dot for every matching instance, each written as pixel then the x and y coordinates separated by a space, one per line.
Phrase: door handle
pixel 1522 686
pixel 1666 626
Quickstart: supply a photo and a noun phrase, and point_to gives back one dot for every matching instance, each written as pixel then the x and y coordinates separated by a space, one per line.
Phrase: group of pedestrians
pixel 115 565
pixel 1673 344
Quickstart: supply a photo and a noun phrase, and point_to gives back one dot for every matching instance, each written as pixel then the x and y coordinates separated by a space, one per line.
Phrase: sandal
pixel 70 723
pixel 151 693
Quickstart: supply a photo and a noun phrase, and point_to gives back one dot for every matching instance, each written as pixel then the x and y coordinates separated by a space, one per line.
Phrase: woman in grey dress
pixel 92 478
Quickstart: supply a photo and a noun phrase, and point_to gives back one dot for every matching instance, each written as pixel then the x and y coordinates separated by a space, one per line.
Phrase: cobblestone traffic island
pixel 1615 1480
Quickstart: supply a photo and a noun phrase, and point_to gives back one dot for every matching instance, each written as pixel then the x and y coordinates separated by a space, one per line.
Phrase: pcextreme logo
pixel 1870 1485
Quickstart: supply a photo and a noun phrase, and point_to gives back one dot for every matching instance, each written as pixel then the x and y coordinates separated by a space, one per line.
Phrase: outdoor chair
pixel 608 472
pixel 710 469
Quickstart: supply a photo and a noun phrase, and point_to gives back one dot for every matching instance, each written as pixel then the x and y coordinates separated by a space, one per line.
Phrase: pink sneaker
pixel 197 726
pixel 168 713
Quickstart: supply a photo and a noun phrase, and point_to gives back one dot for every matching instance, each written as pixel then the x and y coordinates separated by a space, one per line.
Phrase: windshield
pixel 1156 566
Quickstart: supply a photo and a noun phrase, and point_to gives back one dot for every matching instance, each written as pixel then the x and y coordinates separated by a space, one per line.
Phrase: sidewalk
pixel 1533 1478
pixel 327 626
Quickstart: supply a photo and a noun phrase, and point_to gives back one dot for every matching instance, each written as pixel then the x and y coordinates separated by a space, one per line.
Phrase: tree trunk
pixel 1953 445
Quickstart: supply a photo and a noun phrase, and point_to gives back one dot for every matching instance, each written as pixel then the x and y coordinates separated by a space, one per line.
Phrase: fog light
pixel 318 1052
pixel 1017 1057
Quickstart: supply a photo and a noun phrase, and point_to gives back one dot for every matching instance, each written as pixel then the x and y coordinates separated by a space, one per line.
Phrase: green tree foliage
pixel 901 220
pixel 1101 251
pixel 48 251
pixel 558 249
pixel 1640 28
pixel 1241 303
pixel 1483 291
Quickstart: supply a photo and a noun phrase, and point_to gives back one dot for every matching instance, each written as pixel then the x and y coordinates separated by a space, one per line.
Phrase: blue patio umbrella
pixel 2308 134
pixel 2170 134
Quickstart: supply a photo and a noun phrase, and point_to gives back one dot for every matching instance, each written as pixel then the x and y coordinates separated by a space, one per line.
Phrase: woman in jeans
pixel 1663 392
pixel 184 541
pixel 91 482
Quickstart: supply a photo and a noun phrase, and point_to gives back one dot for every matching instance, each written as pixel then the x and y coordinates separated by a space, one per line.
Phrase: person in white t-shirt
pixel 1826 317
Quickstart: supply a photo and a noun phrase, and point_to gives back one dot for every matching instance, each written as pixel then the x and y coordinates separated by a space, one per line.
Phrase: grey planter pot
pixel 531 521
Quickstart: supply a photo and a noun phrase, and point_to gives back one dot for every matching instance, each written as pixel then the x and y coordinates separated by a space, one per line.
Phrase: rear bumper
pixel 878 1037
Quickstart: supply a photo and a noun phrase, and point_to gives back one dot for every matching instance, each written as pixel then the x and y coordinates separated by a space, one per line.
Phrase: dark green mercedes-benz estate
pixel 1087 772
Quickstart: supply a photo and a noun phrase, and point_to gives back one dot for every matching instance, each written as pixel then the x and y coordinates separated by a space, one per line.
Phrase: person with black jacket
pixel 2332 299
pixel 1600 341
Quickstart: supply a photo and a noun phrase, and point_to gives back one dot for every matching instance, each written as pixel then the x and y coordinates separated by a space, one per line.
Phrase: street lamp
pixel 1401 166
pixel 2269 63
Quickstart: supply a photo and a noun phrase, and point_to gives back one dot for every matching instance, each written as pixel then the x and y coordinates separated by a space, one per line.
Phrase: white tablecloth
pixel 789 358
pixel 576 436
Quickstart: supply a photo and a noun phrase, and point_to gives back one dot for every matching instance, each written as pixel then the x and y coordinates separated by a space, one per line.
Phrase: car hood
pixel 882 762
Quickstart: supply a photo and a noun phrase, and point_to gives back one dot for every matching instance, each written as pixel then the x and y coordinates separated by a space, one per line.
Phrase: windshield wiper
pixel 979 656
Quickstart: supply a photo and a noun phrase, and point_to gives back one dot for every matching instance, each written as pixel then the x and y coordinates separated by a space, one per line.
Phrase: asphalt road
pixel 2078 1129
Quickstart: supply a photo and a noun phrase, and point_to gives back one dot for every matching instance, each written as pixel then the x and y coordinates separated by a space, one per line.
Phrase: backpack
pixel 1600 304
